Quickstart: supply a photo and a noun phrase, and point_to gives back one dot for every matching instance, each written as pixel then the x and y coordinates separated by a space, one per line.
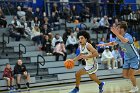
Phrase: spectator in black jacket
pixel 21 71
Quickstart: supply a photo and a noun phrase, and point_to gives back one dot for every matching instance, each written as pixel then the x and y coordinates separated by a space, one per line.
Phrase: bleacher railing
pixel 40 63
pixel 20 51
pixel 4 42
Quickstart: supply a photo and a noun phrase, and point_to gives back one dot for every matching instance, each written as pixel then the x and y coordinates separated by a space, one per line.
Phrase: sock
pixel 77 88
pixel 28 85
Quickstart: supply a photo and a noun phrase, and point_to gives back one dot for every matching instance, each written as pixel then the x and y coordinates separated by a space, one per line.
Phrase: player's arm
pixel 122 39
pixel 77 58
pixel 107 44
pixel 93 54
pixel 93 51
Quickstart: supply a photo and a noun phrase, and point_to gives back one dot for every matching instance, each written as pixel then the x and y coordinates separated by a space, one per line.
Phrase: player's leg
pixel 133 80
pixel 78 78
pixel 125 73
pixel 93 77
pixel 133 66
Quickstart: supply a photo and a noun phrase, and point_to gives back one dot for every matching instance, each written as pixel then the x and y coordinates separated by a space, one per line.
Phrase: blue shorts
pixel 131 63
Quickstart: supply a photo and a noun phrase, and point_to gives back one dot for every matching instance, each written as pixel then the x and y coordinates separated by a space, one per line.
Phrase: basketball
pixel 69 64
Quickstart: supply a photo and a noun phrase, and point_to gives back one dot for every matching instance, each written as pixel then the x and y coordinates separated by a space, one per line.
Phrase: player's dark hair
pixel 85 34
pixel 123 24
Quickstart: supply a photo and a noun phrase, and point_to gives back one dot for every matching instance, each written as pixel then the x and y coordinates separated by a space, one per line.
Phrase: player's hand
pixel 83 57
pixel 114 30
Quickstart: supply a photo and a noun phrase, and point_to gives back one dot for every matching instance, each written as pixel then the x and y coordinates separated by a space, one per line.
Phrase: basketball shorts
pixel 91 69
pixel 131 63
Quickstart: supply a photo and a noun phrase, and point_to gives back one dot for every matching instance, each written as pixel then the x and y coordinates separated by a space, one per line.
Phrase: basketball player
pixel 131 56
pixel 87 53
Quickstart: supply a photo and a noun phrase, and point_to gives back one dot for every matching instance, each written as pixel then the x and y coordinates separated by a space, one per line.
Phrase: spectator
pixel 66 34
pixel 55 8
pixel 35 22
pixel 76 32
pixel 38 14
pixel 107 58
pixel 13 33
pixel 36 35
pixel 60 50
pixel 17 26
pixel 85 13
pixel 3 21
pixel 57 38
pixel 104 22
pixel 72 43
pixel 45 29
pixel 21 72
pixel 47 45
pixel 29 15
pixel 20 13
pixel 74 14
pixel 55 20
pixel 117 57
pixel 8 76
pixel 95 25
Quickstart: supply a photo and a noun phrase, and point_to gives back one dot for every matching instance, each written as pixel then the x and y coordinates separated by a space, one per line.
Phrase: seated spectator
pixel 17 25
pixel 107 58
pixel 36 35
pixel 20 71
pixel 84 14
pixel 3 21
pixel 36 21
pixel 66 34
pixel 95 25
pixel 47 45
pixel 57 38
pixel 76 31
pixel 60 50
pixel 74 14
pixel 8 76
pixel 45 30
pixel 104 24
pixel 55 20
pixel 13 33
pixel 20 13
pixel 38 13
pixel 72 43
pixel 117 57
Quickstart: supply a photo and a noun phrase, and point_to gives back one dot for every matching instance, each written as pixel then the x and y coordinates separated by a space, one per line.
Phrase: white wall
pixel 138 1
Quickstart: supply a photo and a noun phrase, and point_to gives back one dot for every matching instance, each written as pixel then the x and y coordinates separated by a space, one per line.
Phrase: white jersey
pixel 84 50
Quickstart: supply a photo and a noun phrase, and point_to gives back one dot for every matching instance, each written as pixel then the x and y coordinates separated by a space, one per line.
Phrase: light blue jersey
pixel 128 48
pixel 131 56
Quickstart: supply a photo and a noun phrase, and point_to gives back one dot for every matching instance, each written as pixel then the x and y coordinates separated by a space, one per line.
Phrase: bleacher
pixel 53 72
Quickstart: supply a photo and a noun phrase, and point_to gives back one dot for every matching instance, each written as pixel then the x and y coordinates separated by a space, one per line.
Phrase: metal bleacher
pixel 53 72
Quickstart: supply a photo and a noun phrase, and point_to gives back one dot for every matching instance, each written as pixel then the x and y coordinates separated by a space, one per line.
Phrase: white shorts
pixel 92 69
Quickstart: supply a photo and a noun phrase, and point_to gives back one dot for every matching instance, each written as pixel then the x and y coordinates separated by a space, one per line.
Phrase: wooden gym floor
pixel 112 86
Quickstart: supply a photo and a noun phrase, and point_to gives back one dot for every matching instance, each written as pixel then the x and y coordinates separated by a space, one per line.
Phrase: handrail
pixel 21 52
pixel 41 63
pixel 4 42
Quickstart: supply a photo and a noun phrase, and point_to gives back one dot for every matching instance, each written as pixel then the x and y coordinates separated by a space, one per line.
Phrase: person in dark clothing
pixel 47 45
pixel 21 71
pixel 45 30
pixel 3 21
pixel 8 76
